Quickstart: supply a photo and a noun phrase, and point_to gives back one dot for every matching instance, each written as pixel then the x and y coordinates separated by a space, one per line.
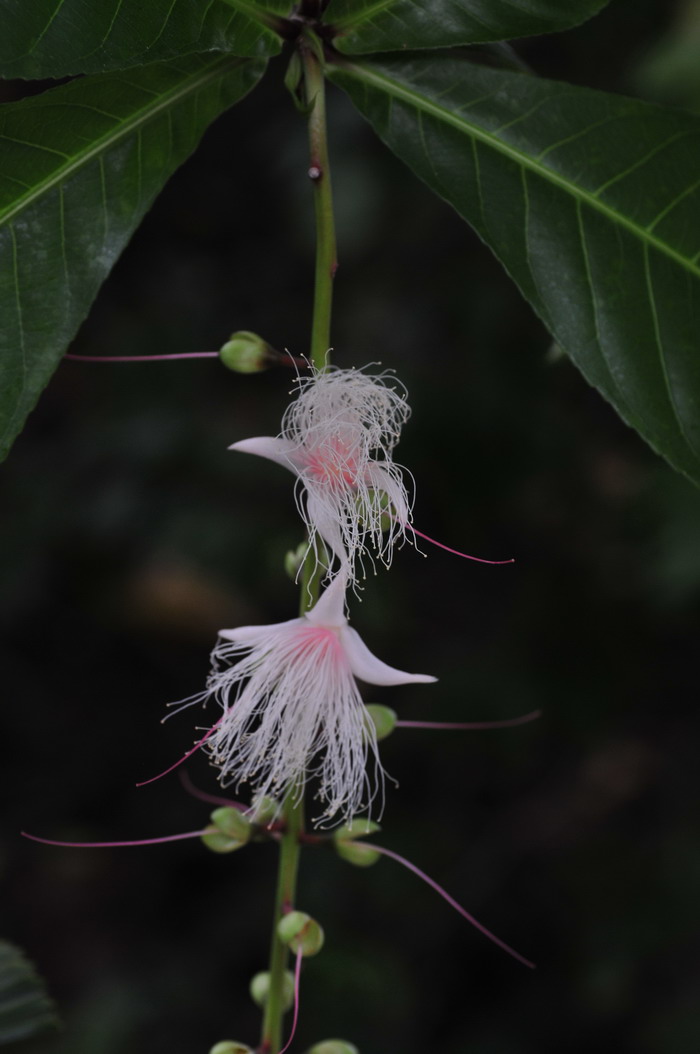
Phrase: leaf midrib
pixel 352 21
pixel 421 103
pixel 124 129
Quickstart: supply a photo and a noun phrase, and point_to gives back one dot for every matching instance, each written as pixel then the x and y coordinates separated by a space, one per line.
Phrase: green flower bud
pixel 333 1046
pixel 299 930
pixel 294 559
pixel 260 989
pixel 218 842
pixel 357 853
pixel 232 823
pixel 383 718
pixel 230 1046
pixel 359 827
pixel 246 352
pixel 348 848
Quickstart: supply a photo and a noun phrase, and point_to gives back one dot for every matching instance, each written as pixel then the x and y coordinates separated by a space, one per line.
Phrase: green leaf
pixel 58 38
pixel 392 25
pixel 591 202
pixel 25 1007
pixel 81 165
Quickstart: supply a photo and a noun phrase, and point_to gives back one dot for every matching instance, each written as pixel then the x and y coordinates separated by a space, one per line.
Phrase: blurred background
pixel 131 535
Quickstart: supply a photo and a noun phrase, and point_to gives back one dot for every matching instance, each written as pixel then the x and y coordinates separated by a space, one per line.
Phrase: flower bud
pixel 299 930
pixel 333 1046
pixel 348 848
pixel 230 830
pixel 232 823
pixel 260 989
pixel 246 352
pixel 383 718
pixel 230 1046
pixel 294 559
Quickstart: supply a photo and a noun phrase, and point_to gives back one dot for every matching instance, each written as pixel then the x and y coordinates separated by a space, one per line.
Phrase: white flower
pixel 292 708
pixel 338 437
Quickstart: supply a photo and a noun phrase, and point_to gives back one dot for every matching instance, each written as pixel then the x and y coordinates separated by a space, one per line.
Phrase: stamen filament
pixel 454 904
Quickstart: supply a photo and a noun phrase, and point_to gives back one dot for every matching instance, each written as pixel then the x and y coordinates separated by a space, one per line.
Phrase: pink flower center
pixel 334 462
pixel 321 641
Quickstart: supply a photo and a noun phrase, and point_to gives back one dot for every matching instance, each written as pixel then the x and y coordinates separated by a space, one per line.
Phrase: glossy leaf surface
pixel 25 1008
pixel 58 38
pixel 81 165
pixel 394 25
pixel 591 202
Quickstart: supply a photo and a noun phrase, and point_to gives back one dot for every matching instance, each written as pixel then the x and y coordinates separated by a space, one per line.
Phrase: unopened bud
pixel 299 930
pixel 260 989
pixel 294 558
pixel 230 1046
pixel 230 830
pixel 348 848
pixel 334 1046
pixel 246 352
pixel 232 822
pixel 383 718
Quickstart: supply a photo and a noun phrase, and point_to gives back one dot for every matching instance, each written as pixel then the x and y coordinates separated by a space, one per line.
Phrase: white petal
pixel 329 609
pixel 321 519
pixel 253 633
pixel 369 668
pixel 275 449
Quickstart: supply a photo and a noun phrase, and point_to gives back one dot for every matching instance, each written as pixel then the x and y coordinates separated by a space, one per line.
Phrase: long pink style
pixel 454 904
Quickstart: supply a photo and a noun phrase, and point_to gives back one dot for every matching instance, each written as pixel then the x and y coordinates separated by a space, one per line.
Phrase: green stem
pixel 293 815
pixel 293 809
pixel 320 175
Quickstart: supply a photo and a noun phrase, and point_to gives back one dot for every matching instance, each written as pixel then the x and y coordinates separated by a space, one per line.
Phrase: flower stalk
pixel 320 175
pixel 326 265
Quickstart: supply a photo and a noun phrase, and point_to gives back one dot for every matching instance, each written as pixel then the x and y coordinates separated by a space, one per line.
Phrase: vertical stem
pixel 320 175
pixel 293 813
pixel 326 265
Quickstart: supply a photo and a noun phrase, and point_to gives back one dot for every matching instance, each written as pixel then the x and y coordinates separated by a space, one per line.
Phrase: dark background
pixel 130 535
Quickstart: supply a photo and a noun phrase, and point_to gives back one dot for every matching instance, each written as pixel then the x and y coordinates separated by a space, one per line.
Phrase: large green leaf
pixel 58 38
pixel 81 165
pixel 392 25
pixel 25 1008
pixel 592 203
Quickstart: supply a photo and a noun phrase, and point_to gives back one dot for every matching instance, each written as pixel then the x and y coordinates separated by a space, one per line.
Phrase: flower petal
pixel 274 448
pixel 329 609
pixel 369 668
pixel 243 634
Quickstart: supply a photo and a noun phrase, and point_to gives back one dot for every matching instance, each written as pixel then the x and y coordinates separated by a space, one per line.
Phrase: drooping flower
pixel 338 438
pixel 292 707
